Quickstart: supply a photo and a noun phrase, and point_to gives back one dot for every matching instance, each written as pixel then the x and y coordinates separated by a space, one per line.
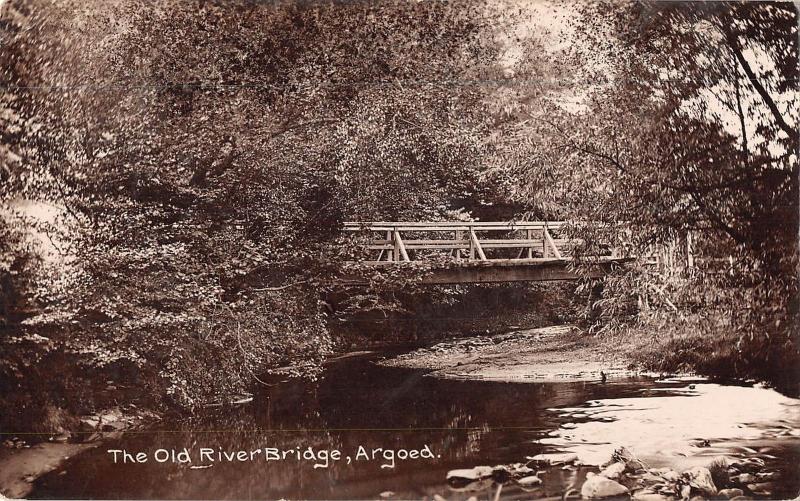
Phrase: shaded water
pixel 464 424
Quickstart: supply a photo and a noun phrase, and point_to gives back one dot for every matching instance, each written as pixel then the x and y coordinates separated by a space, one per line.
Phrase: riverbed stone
pixel 667 474
pixel 625 456
pixel 470 474
pixel 648 495
pixel 762 489
pixel 699 478
pixel 746 478
pixel 613 471
pixel 89 423
pixel 598 487
pixel 730 493
pixel 555 458
pixel 530 481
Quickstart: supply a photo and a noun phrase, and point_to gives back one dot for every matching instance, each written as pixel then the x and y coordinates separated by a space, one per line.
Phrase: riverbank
pixel 569 353
pixel 26 457
pixel 548 354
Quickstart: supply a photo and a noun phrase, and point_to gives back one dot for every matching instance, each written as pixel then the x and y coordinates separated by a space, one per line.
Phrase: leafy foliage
pixel 205 154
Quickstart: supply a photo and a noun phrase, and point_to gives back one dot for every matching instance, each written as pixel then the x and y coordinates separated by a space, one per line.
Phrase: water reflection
pixel 361 404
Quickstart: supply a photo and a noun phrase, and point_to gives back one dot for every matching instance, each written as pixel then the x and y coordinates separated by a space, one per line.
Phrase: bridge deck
pixel 539 252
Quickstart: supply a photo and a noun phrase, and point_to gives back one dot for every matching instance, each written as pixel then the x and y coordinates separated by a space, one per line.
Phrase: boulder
pixel 554 459
pixel 613 471
pixel 730 493
pixel 597 487
pixel 746 478
pixel 530 481
pixel 699 478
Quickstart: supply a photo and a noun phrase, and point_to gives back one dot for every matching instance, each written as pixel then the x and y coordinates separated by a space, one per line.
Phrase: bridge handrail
pixel 452 226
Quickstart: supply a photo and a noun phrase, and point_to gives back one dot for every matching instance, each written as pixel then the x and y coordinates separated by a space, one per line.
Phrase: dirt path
pixel 560 353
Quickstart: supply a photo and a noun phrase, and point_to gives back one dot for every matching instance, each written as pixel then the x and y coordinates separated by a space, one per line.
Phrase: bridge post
pixel 529 236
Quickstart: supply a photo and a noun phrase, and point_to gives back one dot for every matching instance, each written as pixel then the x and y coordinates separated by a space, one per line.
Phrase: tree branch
pixel 751 76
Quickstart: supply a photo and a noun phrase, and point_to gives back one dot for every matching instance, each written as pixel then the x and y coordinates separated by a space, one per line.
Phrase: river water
pixel 677 423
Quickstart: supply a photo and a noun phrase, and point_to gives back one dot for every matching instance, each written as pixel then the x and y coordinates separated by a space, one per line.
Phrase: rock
pixel 768 475
pixel 648 495
pixel 519 469
pixel 699 478
pixel 113 426
pixel 554 459
pixel 613 471
pixel 466 476
pixel 597 487
pixel 437 497
pixel 89 423
pixel 623 455
pixel 667 474
pixel 530 481
pixel 740 498
pixel 762 489
pixel 730 493
pixel 62 438
pixel 501 474
pixel 386 494
pixel 746 478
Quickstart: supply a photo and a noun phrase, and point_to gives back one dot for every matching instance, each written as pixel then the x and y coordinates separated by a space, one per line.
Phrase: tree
pixel 206 153
pixel 685 127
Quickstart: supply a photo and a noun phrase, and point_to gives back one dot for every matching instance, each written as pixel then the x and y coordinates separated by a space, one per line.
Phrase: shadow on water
pixel 357 403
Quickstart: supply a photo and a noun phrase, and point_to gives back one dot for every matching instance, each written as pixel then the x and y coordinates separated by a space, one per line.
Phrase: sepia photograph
pixel 440 250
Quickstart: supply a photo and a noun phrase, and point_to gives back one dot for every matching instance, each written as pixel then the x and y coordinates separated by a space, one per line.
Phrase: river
pixel 668 422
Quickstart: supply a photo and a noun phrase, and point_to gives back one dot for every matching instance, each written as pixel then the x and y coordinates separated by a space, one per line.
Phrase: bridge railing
pixel 465 239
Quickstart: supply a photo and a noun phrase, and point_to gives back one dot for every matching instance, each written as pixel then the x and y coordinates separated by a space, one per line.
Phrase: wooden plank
pixel 506 270
pixel 400 246
pixel 451 226
pixel 454 244
pixel 476 244
pixel 529 234
pixel 552 244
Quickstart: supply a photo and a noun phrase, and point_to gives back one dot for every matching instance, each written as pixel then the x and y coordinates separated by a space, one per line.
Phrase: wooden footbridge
pixel 477 251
